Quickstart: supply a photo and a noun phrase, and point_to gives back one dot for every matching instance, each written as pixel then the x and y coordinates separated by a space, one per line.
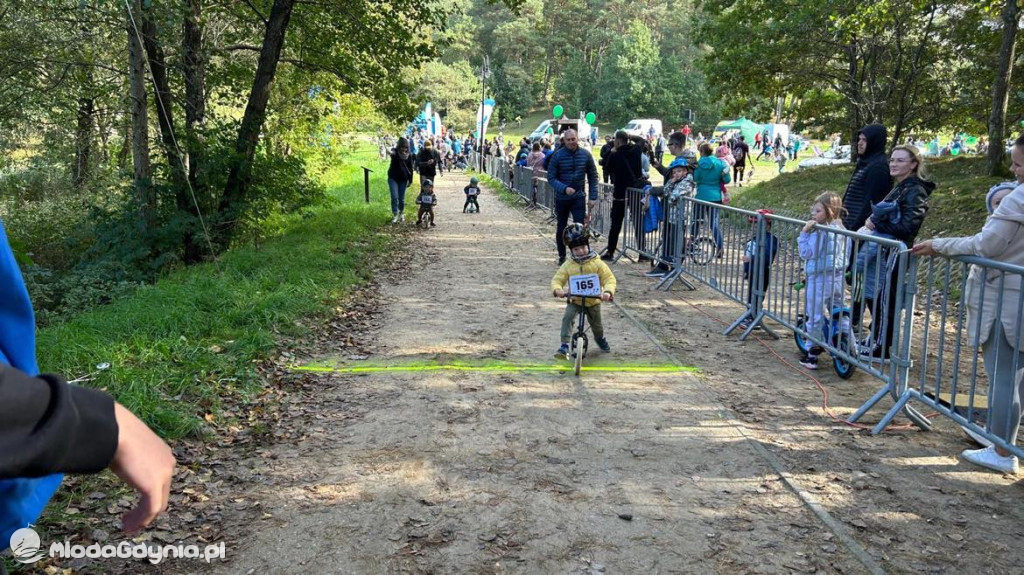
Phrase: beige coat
pixel 1002 239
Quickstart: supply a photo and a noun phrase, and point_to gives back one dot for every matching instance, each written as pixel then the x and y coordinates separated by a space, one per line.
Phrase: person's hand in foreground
pixel 924 249
pixel 145 462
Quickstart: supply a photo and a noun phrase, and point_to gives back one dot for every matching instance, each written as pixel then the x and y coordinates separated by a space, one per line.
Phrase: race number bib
pixel 588 285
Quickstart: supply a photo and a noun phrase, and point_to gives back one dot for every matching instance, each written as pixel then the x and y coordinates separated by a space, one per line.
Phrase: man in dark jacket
pixel 624 162
pixel 871 180
pixel 869 185
pixel 606 149
pixel 570 169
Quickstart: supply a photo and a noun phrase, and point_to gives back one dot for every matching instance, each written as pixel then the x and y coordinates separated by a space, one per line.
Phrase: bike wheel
pixel 703 250
pixel 844 369
pixel 579 347
pixel 798 335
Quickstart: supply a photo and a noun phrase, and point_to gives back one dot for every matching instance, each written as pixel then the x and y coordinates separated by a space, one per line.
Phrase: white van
pixel 540 131
pixel 642 127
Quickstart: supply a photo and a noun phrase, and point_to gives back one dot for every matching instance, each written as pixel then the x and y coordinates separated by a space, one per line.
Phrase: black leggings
pixel 737 172
pixel 471 200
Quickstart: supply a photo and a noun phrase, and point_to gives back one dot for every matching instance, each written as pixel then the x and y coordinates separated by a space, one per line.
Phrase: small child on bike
pixel 584 261
pixel 472 192
pixel 758 257
pixel 824 255
pixel 426 200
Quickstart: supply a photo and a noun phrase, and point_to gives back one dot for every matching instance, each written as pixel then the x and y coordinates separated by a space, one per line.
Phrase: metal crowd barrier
pixel 930 360
pixel 944 334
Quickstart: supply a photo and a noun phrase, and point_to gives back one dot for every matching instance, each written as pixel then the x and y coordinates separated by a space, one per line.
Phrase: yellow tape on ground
pixel 497 368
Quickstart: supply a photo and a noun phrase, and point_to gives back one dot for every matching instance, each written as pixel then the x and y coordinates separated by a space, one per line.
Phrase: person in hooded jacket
pixel 399 178
pixel 427 161
pixel 911 192
pixel 869 185
pixel 871 181
pixel 994 311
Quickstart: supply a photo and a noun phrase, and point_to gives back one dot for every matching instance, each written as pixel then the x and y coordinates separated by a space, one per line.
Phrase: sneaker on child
pixel 603 344
pixel 809 361
pixel 987 457
pixel 563 350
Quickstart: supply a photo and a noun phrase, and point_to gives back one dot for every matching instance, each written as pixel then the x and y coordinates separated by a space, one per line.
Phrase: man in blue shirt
pixel 570 168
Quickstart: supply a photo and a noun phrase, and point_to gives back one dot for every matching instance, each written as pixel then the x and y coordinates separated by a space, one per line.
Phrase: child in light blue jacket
pixel 824 255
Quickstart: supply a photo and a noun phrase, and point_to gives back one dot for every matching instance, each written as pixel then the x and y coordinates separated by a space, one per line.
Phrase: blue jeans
pixel 397 196
pixel 577 207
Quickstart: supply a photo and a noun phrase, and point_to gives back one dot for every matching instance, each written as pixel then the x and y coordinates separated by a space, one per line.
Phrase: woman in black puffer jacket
pixel 906 165
pixel 399 178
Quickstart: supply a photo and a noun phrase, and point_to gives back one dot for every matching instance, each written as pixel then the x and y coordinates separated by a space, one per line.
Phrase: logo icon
pixel 26 546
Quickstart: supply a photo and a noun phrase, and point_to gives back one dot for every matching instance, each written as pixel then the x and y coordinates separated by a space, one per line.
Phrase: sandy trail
pixel 517 471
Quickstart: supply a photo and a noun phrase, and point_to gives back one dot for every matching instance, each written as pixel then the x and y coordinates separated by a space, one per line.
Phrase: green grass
pixel 957 207
pixel 179 347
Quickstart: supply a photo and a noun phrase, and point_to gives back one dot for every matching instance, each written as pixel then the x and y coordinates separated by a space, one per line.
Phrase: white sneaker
pixel 394 219
pixel 988 457
pixel 401 218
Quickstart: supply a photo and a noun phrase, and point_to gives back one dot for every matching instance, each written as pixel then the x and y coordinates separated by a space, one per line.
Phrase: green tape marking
pixel 497 368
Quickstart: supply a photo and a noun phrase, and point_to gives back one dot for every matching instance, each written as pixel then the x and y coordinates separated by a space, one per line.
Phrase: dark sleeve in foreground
pixel 48 426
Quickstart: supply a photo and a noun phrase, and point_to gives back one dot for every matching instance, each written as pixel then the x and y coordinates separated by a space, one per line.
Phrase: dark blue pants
pixel 577 206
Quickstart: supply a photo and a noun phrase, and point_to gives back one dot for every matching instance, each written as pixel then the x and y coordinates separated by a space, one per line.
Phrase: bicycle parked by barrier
pixel 837 329
pixel 701 249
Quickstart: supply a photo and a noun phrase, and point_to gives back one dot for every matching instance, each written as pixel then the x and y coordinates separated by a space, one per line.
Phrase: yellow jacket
pixel 594 265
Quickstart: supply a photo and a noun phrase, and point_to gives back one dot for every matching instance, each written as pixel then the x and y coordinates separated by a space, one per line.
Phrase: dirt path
pixel 484 471
pixel 438 458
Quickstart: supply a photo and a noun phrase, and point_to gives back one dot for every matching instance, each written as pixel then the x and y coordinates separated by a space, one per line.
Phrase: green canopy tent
pixel 743 125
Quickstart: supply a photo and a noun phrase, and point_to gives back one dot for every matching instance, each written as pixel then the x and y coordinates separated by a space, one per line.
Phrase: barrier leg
pixel 870 403
pixel 671 277
pixel 915 416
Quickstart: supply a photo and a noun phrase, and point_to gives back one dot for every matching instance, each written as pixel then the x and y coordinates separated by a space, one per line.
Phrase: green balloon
pixel 549 131
pixel 557 110
pixel 955 151
pixel 591 117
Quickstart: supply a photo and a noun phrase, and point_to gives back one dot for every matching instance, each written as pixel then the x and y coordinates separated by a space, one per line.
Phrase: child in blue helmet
pixel 678 185
pixel 583 262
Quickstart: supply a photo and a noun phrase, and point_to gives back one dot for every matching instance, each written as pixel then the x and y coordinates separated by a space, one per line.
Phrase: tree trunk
pixel 126 146
pixel 237 186
pixel 853 96
pixel 83 141
pixel 194 67
pixel 194 64
pixel 140 120
pixel 162 92
pixel 1000 88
